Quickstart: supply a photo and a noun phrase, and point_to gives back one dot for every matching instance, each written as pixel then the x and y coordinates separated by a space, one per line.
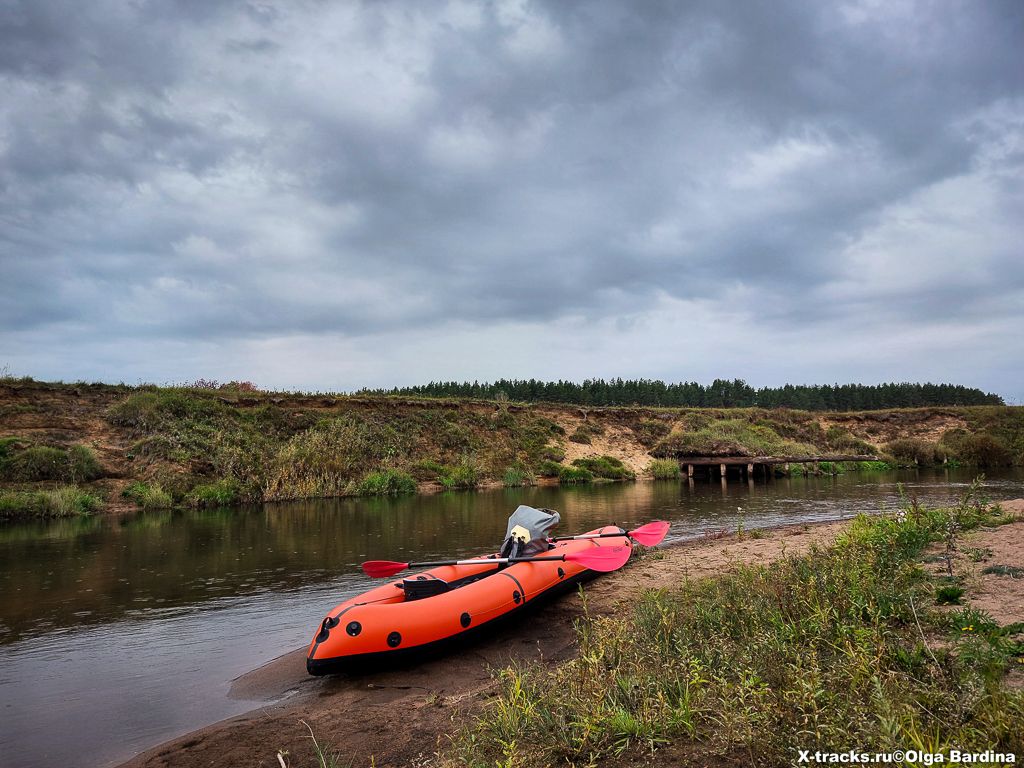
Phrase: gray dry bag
pixel 527 532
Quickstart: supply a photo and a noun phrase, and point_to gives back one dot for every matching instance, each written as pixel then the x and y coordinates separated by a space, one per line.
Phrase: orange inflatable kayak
pixel 407 619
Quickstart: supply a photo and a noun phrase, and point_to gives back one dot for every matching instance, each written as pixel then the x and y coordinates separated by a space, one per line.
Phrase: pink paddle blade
pixel 650 534
pixel 381 569
pixel 603 559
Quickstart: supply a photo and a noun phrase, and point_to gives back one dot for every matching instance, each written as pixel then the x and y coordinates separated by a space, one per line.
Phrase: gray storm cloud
pixel 344 194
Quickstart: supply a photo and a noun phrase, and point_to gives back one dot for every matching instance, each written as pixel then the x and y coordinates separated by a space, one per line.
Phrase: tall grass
pixel 574 475
pixel 664 469
pixel 148 495
pixel 221 493
pixel 822 651
pixel 606 467
pixel 63 501
pixel 516 477
pixel 387 482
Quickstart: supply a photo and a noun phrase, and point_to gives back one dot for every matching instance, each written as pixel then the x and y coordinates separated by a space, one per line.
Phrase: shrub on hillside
pixel 649 431
pixel 548 468
pixel 36 463
pixel 912 450
pixel 986 451
pixel 553 453
pixel 573 475
pixel 607 467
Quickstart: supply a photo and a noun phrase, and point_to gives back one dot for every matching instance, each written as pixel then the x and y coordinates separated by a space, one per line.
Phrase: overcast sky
pixel 329 195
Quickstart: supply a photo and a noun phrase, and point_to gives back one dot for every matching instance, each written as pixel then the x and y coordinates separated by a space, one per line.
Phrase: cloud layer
pixel 332 195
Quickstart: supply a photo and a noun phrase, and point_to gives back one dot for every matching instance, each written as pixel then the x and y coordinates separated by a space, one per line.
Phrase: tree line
pixel 721 393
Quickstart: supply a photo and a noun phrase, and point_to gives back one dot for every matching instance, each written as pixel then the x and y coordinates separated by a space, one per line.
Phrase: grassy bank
pixel 203 446
pixel 845 647
pixel 63 501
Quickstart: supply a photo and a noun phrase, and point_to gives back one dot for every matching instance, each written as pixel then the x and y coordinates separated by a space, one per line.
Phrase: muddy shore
pixel 400 717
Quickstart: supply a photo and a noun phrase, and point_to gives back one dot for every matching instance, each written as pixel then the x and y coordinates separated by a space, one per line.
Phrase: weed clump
pixel 64 501
pixel 649 431
pixel 221 493
pixel 516 477
pixel 605 467
pixel 148 495
pixel 464 475
pixel 586 432
pixel 553 453
pixel 388 482
pixel 664 469
pixel 549 469
pixel 37 463
pixel 948 594
pixel 915 451
pixel 574 475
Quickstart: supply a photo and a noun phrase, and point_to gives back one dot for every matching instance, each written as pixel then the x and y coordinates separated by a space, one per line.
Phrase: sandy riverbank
pixel 400 718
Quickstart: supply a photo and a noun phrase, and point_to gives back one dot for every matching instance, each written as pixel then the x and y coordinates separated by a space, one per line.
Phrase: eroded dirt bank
pixel 156 447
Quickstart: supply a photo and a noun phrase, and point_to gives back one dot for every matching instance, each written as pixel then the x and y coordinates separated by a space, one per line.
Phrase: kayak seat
pixel 419 587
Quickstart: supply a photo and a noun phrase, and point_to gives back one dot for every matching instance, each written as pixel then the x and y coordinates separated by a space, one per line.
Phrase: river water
pixel 119 633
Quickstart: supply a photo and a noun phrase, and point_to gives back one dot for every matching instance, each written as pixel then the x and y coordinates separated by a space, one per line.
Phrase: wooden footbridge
pixel 748 467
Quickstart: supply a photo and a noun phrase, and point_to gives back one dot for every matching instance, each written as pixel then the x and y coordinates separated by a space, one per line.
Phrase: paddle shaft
pixel 486 561
pixel 589 536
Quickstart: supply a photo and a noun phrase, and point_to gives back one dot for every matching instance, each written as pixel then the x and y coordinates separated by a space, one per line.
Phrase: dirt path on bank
pixel 399 718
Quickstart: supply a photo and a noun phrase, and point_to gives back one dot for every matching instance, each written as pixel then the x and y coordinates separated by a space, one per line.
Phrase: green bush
pixel 585 433
pixel 387 482
pixel 515 477
pixel 221 493
pixel 553 453
pixel 139 410
pixel 148 496
pixel 607 467
pixel 573 475
pixel 65 501
pixel 948 594
pixel 979 450
pixel 841 441
pixel 465 475
pixel 8 445
pixel 581 437
pixel 37 463
pixel 664 469
pixel 82 464
pixel 649 431
pixel 549 469
pixel 915 451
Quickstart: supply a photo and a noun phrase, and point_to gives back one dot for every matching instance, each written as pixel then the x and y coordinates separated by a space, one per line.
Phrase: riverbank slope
pixel 118 447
